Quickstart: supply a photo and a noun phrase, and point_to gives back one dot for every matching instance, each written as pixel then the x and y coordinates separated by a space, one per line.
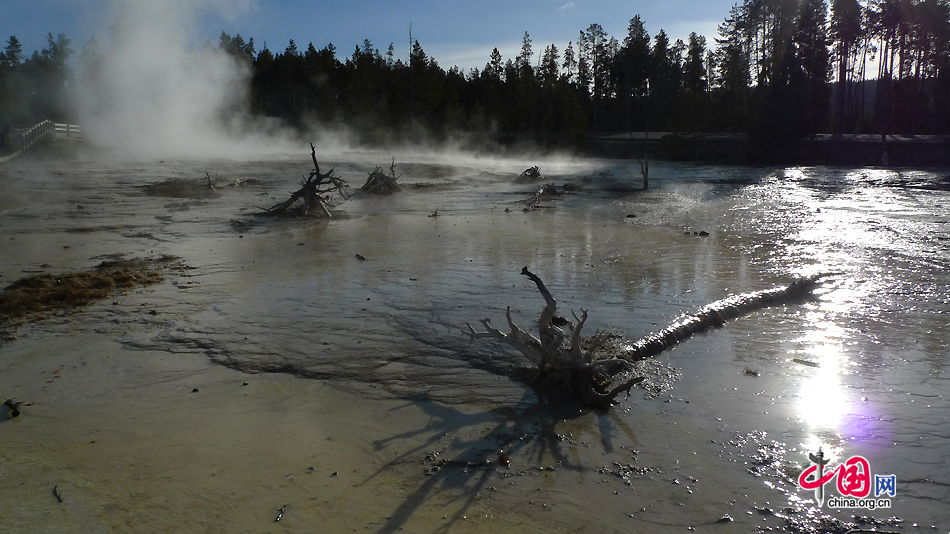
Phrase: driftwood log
pixel 313 197
pixel 380 183
pixel 717 314
pixel 577 370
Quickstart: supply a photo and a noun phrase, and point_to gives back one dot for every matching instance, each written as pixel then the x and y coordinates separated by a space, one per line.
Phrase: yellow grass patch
pixel 31 298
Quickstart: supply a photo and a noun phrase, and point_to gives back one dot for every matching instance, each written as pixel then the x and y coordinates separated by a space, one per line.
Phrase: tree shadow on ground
pixel 463 466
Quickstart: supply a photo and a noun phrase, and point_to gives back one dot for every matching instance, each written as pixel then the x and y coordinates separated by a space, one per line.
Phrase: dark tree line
pixel 779 70
pixel 35 87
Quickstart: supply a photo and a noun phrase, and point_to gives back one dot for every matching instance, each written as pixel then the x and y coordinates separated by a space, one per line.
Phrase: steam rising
pixel 156 95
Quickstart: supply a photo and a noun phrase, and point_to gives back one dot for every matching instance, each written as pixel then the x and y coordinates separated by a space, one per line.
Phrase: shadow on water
pixel 524 433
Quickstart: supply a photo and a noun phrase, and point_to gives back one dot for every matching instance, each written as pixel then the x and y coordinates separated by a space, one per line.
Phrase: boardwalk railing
pixel 68 130
pixel 29 138
pixel 22 140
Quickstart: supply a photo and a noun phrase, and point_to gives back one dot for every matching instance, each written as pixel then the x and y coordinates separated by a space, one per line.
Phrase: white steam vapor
pixel 157 95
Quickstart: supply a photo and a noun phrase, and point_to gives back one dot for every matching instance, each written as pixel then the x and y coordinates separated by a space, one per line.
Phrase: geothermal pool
pixel 274 369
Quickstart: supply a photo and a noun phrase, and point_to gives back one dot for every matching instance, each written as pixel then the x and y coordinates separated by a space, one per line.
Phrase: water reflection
pixel 822 399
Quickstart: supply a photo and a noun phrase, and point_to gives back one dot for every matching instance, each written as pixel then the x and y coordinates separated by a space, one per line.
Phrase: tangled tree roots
pixel 576 370
pixel 314 193
pixel 380 183
pixel 569 370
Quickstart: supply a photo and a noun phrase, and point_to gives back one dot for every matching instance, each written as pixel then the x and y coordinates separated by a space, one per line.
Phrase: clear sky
pixel 455 33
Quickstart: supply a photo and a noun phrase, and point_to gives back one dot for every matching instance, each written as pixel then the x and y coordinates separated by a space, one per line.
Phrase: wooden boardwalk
pixel 19 141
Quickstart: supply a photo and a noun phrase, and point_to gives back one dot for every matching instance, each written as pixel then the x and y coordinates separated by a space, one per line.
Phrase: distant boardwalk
pixel 17 142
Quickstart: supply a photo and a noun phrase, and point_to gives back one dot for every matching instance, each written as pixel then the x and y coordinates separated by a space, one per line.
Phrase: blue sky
pixel 455 33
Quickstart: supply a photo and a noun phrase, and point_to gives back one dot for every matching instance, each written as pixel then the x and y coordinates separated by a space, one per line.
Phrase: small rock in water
pixel 360 257
pixel 726 518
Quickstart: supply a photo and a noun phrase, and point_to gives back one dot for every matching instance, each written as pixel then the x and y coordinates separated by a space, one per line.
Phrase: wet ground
pixel 364 406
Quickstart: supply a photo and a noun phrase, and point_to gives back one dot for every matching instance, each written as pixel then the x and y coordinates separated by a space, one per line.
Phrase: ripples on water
pixel 291 296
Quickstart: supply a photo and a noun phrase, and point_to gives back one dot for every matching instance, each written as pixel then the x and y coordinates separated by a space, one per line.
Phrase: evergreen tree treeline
pixel 779 70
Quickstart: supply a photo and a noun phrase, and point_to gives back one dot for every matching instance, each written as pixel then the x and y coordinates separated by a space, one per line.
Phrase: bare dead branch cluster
pixel 314 193
pixel 381 183
pixel 571 369
pixel 531 174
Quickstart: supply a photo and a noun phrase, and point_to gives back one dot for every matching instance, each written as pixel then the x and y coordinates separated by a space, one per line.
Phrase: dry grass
pixel 34 297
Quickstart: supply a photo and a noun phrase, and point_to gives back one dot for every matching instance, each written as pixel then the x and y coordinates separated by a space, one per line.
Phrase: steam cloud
pixel 156 95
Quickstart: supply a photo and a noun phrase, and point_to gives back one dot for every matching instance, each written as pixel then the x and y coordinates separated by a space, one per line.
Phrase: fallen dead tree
pixel 380 183
pixel 596 379
pixel 313 197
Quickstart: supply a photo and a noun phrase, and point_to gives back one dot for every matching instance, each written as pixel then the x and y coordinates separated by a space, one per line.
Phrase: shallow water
pixel 861 370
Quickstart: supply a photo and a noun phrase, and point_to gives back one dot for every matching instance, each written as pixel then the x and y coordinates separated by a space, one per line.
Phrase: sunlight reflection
pixel 822 400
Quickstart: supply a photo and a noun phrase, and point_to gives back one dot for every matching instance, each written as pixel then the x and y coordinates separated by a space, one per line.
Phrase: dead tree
pixel 571 369
pixel 382 184
pixel 577 371
pixel 314 193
